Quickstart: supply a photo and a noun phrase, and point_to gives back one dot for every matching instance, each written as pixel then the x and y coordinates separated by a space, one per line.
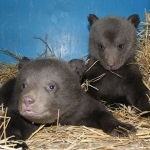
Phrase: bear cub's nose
pixel 111 65
pixel 28 100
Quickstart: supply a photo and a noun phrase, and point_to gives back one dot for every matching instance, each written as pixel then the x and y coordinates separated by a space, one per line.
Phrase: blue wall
pixel 64 21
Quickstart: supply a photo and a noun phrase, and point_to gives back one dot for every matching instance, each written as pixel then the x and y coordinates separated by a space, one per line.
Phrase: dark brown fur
pixel 112 41
pixel 45 86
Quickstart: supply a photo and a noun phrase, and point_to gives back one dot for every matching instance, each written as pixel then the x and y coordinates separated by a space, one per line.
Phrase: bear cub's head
pixel 45 86
pixel 112 40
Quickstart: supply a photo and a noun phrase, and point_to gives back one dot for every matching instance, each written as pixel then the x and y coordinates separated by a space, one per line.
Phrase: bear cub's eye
pixel 51 87
pixel 24 85
pixel 120 46
pixel 101 47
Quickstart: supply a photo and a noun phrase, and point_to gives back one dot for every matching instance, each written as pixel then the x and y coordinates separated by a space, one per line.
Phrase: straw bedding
pixel 81 137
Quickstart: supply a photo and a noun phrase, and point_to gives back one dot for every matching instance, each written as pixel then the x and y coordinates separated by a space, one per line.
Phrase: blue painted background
pixel 64 21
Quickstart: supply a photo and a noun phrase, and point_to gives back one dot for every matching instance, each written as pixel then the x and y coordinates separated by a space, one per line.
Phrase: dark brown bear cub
pixel 112 44
pixel 45 86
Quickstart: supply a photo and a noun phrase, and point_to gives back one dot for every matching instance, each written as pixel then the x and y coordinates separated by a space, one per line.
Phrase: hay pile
pixel 6 72
pixel 143 59
pixel 81 137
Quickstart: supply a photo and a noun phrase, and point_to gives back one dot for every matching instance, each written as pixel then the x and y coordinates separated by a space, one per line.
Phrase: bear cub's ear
pixel 134 19
pixel 23 61
pixel 92 18
pixel 78 66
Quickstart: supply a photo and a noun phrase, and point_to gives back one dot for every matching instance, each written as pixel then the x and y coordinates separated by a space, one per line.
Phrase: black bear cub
pixel 112 45
pixel 45 86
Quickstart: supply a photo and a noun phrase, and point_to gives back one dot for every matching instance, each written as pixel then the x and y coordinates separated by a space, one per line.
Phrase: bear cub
pixel 112 48
pixel 45 86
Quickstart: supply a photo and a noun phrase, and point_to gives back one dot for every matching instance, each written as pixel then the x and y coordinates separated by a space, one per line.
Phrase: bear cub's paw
pixel 123 130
